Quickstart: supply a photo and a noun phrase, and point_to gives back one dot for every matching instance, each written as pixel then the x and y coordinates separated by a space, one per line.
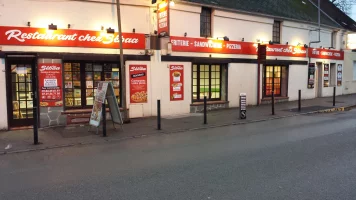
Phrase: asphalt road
pixel 304 157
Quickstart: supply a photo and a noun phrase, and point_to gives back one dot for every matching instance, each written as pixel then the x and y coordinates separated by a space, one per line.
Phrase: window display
pixel 81 80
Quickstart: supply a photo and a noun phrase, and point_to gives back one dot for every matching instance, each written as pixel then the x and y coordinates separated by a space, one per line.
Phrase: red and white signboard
pixel 184 44
pixel 202 45
pixel 286 50
pixel 326 54
pixel 176 76
pixel 50 84
pixel 26 36
pixel 138 83
pixel 163 18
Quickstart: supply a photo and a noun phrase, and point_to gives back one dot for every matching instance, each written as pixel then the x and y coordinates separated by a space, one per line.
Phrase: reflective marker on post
pixel 243 103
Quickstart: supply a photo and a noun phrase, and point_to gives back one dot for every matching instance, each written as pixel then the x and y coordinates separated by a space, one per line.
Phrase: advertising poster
pixel 311 75
pixel 339 75
pixel 138 83
pixel 163 18
pixel 95 116
pixel 326 75
pixel 50 84
pixel 176 75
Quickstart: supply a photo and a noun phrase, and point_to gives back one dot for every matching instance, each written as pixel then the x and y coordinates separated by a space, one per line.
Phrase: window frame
pixel 276 32
pixel 206 22
pixel 222 66
pixel 83 87
pixel 281 82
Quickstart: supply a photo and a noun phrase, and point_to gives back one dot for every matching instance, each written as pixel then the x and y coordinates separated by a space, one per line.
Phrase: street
pixel 303 157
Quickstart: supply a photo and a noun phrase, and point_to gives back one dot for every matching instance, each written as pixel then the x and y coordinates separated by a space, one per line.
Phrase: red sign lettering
pixel 163 18
pixel 185 44
pixel 26 36
pixel 326 54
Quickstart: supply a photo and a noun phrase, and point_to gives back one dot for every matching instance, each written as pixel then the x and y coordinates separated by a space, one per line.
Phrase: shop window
pixel 275 79
pixel 205 22
pixel 81 80
pixel 207 81
pixel 277 32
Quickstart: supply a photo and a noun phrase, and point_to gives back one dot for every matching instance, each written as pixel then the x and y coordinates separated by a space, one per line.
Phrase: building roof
pixel 335 13
pixel 300 10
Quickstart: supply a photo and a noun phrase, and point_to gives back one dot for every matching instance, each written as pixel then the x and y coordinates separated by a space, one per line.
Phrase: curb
pixel 339 109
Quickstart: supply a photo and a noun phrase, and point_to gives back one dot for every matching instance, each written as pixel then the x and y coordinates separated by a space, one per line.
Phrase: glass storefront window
pixel 206 82
pixel 83 78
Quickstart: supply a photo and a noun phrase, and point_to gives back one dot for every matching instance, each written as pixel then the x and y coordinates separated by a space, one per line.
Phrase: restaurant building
pixel 176 53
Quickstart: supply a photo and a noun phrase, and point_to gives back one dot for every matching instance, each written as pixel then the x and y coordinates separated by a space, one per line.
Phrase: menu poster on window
pixel 50 84
pixel 138 83
pixel 339 75
pixel 176 76
pixel 326 75
pixel 311 75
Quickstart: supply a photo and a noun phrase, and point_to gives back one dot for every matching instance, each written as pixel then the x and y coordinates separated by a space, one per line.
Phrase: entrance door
pixel 319 80
pixel 19 81
pixel 273 80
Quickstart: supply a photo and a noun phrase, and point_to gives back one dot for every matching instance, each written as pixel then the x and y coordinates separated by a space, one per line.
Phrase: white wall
pixel 81 15
pixel 349 84
pixel 298 80
pixel 185 19
pixel 3 104
pixel 238 26
pixel 242 78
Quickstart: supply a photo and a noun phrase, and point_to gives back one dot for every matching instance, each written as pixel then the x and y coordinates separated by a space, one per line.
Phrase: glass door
pixel 272 81
pixel 20 103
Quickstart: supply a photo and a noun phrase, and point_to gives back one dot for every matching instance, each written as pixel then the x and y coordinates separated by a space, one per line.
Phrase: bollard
pixel 158 114
pixel 334 103
pixel 272 102
pixel 299 100
pixel 205 118
pixel 103 111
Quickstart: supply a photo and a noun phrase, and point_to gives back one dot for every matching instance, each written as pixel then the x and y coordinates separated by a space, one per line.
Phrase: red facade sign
pixel 50 84
pixel 326 54
pixel 163 18
pixel 138 83
pixel 202 45
pixel 176 76
pixel 26 36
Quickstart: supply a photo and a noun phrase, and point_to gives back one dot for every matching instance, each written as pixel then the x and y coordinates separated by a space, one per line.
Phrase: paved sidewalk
pixel 22 140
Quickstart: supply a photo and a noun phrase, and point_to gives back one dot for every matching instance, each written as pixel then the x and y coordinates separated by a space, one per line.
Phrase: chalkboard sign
pixel 243 105
pixel 311 75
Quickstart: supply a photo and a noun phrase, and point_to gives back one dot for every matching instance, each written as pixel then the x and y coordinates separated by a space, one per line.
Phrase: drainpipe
pixel 315 42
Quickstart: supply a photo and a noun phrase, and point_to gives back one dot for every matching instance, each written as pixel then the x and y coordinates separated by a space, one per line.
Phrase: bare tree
pixel 344 5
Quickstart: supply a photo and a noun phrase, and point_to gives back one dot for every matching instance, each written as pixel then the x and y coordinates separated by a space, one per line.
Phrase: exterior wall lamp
pixel 52 27
pixel 171 3
pixel 185 34
pixel 110 30
pixel 29 24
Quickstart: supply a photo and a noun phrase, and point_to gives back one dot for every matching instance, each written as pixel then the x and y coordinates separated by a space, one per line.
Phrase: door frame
pixel 20 59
